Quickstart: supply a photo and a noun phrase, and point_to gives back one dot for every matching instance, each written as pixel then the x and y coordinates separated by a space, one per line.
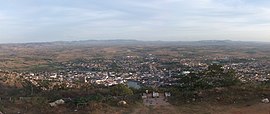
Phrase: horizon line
pixel 30 42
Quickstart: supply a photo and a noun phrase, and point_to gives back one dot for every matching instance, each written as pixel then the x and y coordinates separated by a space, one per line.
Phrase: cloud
pixel 135 19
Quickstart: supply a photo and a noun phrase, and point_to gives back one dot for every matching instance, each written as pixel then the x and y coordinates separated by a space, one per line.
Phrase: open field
pixel 44 55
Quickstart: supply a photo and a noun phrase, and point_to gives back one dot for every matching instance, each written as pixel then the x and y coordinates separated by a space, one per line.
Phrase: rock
pixel 57 102
pixel 1 112
pixel 52 104
pixel 61 101
pixel 266 100
pixel 122 103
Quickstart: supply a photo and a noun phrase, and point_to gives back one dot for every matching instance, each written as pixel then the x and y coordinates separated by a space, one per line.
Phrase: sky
pixel 166 20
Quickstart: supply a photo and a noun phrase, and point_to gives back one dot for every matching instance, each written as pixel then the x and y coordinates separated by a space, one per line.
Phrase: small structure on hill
pixel 155 94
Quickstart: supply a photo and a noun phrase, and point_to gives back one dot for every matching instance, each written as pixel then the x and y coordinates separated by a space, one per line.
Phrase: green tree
pixel 216 76
pixel 121 90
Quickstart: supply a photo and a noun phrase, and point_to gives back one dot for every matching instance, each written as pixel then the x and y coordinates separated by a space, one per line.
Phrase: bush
pixel 121 90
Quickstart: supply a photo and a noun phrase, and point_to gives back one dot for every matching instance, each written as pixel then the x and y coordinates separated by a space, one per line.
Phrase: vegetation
pixel 195 86
pixel 214 76
pixel 121 90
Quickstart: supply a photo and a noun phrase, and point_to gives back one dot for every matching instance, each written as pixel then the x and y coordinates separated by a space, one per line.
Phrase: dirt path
pixel 259 108
pixel 156 110
pixel 254 109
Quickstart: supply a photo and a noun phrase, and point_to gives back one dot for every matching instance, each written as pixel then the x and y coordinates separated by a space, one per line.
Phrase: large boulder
pixel 266 100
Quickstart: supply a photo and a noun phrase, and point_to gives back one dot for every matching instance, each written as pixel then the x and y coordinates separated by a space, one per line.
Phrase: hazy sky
pixel 54 20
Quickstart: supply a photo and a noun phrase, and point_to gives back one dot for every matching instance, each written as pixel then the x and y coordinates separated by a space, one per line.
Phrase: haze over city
pixel 170 20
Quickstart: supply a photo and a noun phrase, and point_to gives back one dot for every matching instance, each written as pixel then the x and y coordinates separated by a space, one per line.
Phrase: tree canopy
pixel 121 90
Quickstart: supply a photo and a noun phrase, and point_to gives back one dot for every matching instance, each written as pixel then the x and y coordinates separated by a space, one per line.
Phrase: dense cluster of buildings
pixel 143 70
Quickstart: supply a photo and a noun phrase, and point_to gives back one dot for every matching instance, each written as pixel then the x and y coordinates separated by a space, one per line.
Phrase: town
pixel 145 70
pixel 82 78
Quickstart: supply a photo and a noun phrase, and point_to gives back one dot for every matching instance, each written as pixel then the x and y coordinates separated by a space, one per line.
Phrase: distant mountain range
pixel 138 42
